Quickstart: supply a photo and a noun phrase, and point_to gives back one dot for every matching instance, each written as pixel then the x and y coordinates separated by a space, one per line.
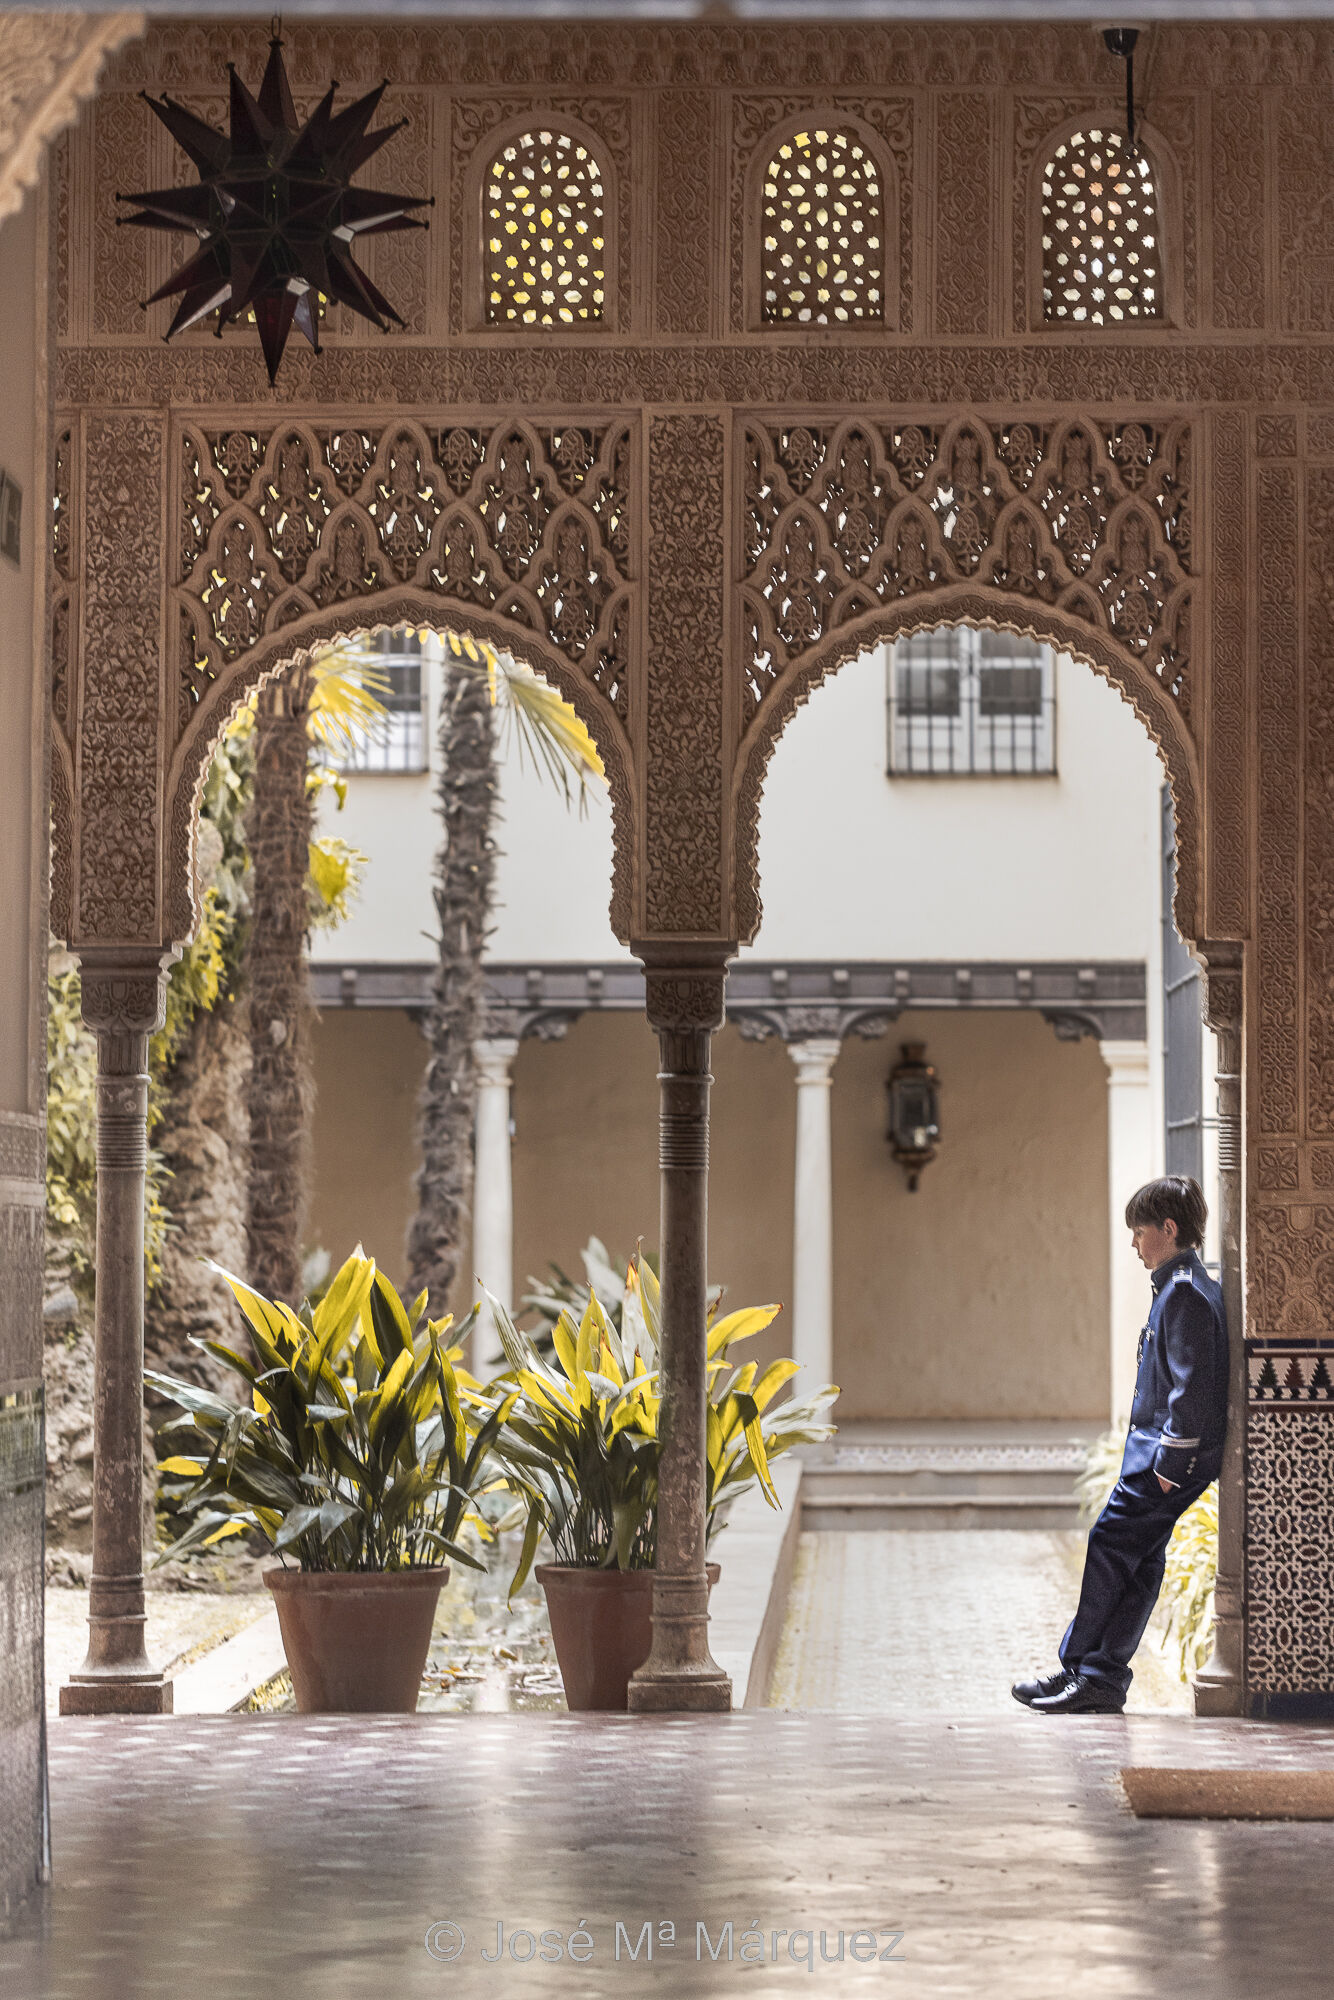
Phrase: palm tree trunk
pixel 278 830
pixel 464 887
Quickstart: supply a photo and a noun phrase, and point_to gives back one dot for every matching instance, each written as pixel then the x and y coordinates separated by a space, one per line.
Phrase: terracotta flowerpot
pixel 356 1642
pixel 602 1628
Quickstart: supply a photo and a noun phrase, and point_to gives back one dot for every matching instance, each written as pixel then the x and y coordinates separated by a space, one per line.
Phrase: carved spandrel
pixel 841 520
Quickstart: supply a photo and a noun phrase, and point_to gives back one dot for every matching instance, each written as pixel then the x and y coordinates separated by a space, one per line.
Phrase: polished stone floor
pixel 898 1622
pixel 294 1858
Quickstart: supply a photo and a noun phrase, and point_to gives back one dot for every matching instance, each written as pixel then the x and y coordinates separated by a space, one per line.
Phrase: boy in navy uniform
pixel 1173 1451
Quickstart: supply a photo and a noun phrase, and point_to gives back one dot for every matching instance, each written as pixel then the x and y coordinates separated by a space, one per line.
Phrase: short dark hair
pixel 1175 1198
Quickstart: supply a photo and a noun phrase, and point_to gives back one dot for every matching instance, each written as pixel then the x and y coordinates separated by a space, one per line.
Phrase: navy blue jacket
pixel 1179 1415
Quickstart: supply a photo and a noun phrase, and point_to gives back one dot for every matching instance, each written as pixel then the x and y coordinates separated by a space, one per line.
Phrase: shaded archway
pixel 1161 702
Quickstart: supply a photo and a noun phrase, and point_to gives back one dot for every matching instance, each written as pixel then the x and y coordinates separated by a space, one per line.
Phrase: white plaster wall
pixel 852 864
pixel 554 871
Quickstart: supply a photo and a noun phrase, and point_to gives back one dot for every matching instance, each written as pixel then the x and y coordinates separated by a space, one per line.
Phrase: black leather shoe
pixel 1081 1695
pixel 1030 1691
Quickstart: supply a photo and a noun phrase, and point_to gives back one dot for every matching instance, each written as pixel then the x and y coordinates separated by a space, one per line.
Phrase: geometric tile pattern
pixel 1280 1373
pixel 1289 1530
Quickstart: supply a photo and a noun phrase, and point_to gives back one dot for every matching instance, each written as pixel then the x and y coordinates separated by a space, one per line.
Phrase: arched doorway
pixel 960 847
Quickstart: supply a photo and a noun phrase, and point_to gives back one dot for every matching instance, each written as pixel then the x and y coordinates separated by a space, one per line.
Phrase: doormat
pixel 1198 1794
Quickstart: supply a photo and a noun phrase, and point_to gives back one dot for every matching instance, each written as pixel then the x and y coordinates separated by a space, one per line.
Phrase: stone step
pixel 829 1482
pixel 941 1483
pixel 854 1510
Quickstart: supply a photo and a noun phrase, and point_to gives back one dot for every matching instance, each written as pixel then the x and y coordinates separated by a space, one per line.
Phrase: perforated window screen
pixel 1101 252
pixel 545 221
pixel 823 223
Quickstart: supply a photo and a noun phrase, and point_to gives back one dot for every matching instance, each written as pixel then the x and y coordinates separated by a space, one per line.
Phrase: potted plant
pixel 578 1444
pixel 354 1457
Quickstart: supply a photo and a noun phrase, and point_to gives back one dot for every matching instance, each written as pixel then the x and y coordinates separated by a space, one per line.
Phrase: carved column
pixel 123 995
pixel 1130 1155
pixel 813 1215
pixel 493 1183
pixel 1220 1687
pixel 685 1005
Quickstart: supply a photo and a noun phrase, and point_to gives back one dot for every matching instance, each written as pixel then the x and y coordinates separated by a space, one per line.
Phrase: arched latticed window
pixel 545 233
pixel 823 222
pixel 1101 246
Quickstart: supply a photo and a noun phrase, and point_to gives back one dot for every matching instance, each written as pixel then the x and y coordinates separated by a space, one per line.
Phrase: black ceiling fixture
pixel 275 212
pixel 1121 42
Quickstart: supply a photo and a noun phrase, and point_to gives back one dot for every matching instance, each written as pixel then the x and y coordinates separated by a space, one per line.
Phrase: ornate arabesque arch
pixel 854 531
pixel 511 531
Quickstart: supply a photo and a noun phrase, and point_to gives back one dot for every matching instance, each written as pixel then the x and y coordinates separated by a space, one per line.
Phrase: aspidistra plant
pixel 578 1438
pixel 363 1444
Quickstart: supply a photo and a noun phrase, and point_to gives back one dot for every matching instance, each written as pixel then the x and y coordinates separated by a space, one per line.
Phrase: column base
pixel 1218 1694
pixel 699 1690
pixel 117 1694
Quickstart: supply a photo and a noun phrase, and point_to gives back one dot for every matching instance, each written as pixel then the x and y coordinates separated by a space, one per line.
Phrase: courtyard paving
pixel 906 1622
pixel 295 1858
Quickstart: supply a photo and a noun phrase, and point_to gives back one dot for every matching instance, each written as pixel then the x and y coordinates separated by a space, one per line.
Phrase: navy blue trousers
pixel 1123 1573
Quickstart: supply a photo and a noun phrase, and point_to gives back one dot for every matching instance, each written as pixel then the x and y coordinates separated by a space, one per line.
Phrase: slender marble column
pixel 1129 1165
pixel 813 1218
pixel 680 1673
pixel 122 1003
pixel 493 1188
pixel 1220 1686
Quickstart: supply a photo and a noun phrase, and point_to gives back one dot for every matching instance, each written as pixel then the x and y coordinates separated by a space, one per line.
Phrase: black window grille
pixel 396 741
pixel 971 704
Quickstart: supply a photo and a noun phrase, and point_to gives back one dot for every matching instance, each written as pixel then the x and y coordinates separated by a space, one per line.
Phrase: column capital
pixel 1222 984
pixel 124 991
pixel 685 999
pixel 1127 1062
pixel 815 1059
pixel 494 1056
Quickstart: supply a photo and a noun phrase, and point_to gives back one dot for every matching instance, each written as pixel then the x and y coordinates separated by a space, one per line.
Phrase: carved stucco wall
pixel 49 63
pixel 687 518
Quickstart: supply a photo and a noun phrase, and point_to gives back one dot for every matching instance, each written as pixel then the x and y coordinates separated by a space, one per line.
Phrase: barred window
pixel 1101 253
pixel 824 232
pixel 971 704
pixel 396 740
pixel 545 217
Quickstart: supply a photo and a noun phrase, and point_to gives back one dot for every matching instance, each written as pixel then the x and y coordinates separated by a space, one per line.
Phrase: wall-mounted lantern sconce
pixel 914 1111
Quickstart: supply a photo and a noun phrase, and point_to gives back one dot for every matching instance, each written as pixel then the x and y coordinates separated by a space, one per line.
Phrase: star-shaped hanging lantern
pixel 275 212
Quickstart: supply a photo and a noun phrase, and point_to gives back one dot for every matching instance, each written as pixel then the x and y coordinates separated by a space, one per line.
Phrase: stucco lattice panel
pixel 1279 696
pixel 1292 1270
pixel 600 122
pixel 120 646
pixel 531 523
pixel 1229 752
pixel 964 180
pixel 1305 212
pixel 1289 1525
pixel 1236 180
pixel 544 224
pixel 1319 880
pixel 49 62
pixel 759 125
pixel 686 211
pixel 822 231
pixel 844 519
pixel 683 889
pixel 1102 233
